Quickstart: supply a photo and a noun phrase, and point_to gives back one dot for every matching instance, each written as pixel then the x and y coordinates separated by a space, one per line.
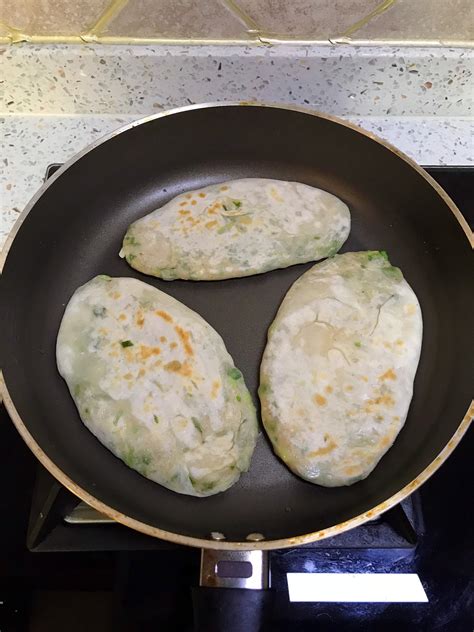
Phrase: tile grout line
pixel 379 9
pixel 268 39
pixel 14 35
pixel 113 9
pixel 252 27
pixel 233 8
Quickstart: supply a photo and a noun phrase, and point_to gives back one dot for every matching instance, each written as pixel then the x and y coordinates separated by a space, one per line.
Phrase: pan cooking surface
pixel 74 232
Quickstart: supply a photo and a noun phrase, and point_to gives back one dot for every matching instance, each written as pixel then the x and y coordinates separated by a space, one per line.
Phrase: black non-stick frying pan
pixel 72 230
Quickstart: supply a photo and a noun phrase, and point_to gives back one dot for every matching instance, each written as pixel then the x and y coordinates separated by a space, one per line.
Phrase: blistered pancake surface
pixel 338 369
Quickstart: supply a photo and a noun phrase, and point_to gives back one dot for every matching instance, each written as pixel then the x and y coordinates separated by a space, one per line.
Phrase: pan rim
pixel 201 106
pixel 201 542
pixel 281 543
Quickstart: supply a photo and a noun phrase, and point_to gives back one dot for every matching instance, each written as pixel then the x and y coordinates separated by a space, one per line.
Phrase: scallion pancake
pixel 237 229
pixel 338 369
pixel 154 382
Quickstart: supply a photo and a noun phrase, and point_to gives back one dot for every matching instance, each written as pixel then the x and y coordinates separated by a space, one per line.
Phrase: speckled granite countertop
pixel 58 99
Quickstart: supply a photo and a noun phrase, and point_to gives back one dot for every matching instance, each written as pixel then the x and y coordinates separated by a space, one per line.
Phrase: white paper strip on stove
pixel 356 587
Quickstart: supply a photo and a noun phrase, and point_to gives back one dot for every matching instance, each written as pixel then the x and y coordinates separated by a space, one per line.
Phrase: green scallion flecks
pixel 234 373
pixel 377 254
pixel 197 425
pixel 130 239
pixel 99 311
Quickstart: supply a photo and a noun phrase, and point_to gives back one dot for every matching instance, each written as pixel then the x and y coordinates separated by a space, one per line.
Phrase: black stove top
pixel 103 576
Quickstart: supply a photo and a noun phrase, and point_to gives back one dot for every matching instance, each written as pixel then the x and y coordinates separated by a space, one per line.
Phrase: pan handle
pixel 233 595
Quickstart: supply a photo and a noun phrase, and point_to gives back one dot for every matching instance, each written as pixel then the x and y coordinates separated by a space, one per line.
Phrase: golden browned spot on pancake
pixel 184 212
pixel 396 418
pixel 349 388
pixel 141 372
pixel 182 203
pixel 145 351
pixel 139 319
pixel 364 378
pixel 193 202
pixel 174 365
pixel 188 196
pixel 329 447
pixel 319 400
pixel 384 400
pixel 129 353
pixel 163 338
pixel 352 470
pixel 202 195
pixel 184 336
pixel 128 376
pixel 410 309
pixel 211 224
pixel 388 375
pixel 193 221
pixel 164 315
pixel 115 295
pixel 122 317
pixel 186 370
pixel 173 345
pixel 215 388
pixel 399 342
pixel 177 367
pixel 224 188
pixel 384 442
pixel 103 331
pixel 212 210
pixel 328 389
pixel 387 345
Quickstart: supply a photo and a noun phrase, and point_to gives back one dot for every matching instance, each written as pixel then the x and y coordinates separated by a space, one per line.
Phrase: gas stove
pixel 427 534
pixel 58 521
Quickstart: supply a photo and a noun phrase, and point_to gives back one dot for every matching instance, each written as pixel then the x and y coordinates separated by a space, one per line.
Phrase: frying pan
pixel 72 230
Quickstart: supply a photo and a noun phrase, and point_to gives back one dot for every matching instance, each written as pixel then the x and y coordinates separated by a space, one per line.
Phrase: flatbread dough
pixel 237 229
pixel 153 381
pixel 338 369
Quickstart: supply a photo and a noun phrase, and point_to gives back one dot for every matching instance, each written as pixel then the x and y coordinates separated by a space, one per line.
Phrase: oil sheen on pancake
pixel 237 229
pixel 337 373
pixel 153 381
